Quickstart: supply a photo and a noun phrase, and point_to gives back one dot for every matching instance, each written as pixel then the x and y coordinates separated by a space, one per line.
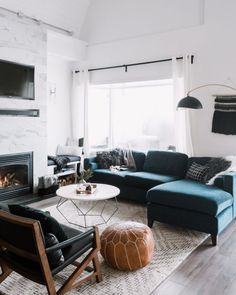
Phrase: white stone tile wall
pixel 25 42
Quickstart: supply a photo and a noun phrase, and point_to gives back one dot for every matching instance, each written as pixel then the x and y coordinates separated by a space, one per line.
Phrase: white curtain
pixel 181 73
pixel 79 107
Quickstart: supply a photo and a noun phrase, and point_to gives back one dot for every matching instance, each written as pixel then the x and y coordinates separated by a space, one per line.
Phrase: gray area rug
pixel 172 246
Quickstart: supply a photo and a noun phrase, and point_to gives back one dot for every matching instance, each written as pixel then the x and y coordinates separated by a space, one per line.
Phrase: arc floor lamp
pixel 190 102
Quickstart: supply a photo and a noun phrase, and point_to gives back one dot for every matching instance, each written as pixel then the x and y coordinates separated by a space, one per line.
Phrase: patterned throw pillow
pixel 197 172
pixel 104 159
pixel 118 158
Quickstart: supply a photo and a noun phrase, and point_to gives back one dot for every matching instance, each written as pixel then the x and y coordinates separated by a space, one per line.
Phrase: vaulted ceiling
pixel 97 21
pixel 68 14
pixel 110 20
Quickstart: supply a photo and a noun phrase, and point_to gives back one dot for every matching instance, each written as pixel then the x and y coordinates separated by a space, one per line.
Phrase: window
pixel 138 115
pixel 98 117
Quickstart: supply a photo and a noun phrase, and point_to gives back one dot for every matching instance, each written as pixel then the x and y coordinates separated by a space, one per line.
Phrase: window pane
pixel 139 115
pixel 98 118
pixel 143 117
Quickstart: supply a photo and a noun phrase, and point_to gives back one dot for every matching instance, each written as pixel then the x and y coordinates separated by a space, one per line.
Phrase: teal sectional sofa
pixel 135 185
pixel 160 183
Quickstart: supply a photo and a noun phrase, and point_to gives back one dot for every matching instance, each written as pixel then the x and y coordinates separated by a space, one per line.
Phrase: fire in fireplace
pixel 16 175
pixel 13 175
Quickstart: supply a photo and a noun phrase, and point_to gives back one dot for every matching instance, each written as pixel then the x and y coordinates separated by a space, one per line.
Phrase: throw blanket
pixel 232 168
pixel 60 161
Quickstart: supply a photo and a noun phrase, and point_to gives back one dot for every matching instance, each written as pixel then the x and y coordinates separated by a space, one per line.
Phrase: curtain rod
pixel 136 64
pixel 38 21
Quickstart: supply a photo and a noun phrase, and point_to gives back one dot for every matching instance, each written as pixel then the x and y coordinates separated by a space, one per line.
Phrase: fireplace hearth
pixel 16 175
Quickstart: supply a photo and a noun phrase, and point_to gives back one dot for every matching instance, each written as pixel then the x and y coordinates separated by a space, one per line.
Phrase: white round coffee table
pixel 103 193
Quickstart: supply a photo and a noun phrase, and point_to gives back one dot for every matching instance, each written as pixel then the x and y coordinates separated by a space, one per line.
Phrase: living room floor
pixel 208 270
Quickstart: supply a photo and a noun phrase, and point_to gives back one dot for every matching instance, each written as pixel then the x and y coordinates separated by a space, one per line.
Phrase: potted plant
pixel 84 175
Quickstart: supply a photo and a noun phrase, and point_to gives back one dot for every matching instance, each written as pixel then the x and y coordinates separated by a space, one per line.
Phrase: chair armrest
pixel 90 163
pixel 230 187
pixel 71 241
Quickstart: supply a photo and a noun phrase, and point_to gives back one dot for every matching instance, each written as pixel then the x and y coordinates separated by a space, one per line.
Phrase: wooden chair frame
pixel 41 257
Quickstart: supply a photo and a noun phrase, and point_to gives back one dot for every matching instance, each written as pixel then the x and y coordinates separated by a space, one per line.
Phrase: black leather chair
pixel 22 249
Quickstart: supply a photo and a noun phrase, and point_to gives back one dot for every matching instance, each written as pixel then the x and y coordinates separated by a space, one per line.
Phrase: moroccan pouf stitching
pixel 127 245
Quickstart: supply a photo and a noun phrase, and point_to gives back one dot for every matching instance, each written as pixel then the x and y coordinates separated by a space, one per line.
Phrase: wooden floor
pixel 207 271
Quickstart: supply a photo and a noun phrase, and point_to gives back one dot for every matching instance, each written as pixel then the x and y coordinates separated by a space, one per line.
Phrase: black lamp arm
pixel 206 85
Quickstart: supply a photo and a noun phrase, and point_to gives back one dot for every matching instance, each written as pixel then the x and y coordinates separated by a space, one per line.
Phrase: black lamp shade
pixel 189 102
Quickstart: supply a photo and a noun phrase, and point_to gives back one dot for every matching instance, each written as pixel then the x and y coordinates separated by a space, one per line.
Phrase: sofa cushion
pixel 139 159
pixel 147 180
pixel 109 177
pixel 167 163
pixel 191 195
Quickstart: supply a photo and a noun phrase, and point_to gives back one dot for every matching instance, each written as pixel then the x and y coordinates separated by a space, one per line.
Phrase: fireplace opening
pixel 16 175
pixel 13 175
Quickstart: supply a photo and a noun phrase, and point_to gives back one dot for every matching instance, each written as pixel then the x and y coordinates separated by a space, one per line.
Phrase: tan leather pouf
pixel 127 245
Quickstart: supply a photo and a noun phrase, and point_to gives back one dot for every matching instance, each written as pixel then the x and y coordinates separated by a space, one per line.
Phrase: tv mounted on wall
pixel 16 80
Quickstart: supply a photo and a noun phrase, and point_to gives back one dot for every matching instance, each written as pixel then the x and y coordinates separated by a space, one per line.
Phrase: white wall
pixel 22 42
pixel 63 52
pixel 214 47
pixel 65 47
pixel 59 112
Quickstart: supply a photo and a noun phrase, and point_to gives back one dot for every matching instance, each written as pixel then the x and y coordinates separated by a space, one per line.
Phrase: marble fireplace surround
pixel 25 43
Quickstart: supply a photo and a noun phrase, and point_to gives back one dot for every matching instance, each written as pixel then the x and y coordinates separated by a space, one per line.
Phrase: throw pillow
pixel 48 223
pixel 104 159
pixel 56 257
pixel 197 172
pixel 117 157
pixel 216 165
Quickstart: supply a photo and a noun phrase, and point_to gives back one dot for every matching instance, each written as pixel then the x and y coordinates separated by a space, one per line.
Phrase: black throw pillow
pixel 118 157
pixel 216 165
pixel 48 223
pixel 197 172
pixel 56 257
pixel 104 159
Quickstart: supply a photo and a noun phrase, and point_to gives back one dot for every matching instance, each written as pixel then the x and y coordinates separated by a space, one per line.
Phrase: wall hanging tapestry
pixel 224 118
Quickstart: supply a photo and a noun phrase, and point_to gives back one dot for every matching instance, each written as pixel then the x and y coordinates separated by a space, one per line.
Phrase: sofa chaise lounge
pixel 160 182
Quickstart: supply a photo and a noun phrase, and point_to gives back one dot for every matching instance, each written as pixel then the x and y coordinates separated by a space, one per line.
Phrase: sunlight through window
pixel 137 115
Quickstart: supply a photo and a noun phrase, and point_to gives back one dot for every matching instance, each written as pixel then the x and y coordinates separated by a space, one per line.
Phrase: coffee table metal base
pixel 87 213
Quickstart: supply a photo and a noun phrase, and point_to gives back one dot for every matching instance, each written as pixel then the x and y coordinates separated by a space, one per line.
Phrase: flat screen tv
pixel 16 80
